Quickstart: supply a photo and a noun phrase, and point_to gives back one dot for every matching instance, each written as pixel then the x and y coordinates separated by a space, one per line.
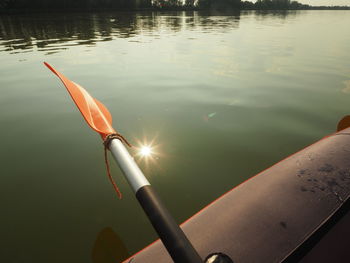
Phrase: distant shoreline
pixel 35 6
pixel 83 10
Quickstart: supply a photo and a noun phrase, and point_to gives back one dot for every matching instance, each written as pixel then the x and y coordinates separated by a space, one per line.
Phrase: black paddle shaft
pixel 172 236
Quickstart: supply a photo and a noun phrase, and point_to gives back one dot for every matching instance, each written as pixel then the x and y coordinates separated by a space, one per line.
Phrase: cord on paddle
pixel 106 143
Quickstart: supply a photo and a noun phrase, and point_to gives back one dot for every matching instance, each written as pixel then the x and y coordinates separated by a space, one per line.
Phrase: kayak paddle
pixel 100 120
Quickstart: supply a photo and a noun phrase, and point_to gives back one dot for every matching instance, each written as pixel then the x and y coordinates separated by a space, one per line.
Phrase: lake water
pixel 221 96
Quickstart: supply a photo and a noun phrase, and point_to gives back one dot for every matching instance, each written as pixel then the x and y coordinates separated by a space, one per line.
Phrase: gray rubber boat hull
pixel 277 215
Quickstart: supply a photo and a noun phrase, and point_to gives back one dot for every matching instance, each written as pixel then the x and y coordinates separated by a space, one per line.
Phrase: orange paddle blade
pixel 93 111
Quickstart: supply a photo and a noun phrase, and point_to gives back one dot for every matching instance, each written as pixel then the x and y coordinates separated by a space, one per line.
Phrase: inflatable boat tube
pixel 295 211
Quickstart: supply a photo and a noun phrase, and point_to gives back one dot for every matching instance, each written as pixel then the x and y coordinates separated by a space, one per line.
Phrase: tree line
pixel 155 4
pixel 237 4
pixel 76 4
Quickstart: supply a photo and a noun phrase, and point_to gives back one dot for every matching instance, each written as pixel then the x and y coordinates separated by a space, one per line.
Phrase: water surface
pixel 222 96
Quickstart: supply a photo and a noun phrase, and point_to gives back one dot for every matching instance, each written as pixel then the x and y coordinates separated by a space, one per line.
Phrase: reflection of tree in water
pixel 59 31
pixel 219 21
pixel 263 14
pixel 54 32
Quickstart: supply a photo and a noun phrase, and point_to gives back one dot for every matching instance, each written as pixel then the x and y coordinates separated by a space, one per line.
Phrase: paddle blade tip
pixel 50 67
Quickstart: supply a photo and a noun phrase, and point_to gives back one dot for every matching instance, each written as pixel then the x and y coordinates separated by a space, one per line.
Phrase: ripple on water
pixel 347 86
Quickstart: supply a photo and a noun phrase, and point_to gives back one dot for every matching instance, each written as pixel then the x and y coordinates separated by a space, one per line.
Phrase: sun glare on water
pixel 146 151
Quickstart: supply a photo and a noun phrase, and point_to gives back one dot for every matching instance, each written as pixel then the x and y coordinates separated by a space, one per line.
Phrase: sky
pixel 322 2
pixel 325 2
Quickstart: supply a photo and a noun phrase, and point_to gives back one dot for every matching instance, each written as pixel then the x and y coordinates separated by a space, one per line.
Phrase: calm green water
pixel 221 96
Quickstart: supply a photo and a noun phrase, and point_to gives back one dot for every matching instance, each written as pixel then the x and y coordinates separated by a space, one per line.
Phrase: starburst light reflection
pixel 145 150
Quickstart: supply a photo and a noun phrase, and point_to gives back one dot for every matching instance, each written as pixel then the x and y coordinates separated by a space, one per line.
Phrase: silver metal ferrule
pixel 132 172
